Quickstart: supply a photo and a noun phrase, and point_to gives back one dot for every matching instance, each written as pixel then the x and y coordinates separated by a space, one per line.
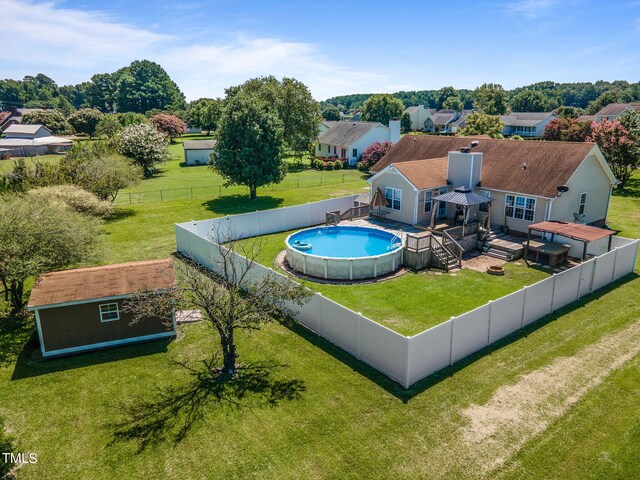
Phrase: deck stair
pixel 502 246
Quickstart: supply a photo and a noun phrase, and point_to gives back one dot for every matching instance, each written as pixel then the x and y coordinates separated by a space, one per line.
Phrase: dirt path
pixel 516 413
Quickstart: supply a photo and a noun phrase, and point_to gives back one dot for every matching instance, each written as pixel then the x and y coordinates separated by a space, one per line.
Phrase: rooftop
pixel 83 284
pixel 199 144
pixel 578 231
pixel 345 133
pixel 23 129
pixel 524 119
pixel 615 109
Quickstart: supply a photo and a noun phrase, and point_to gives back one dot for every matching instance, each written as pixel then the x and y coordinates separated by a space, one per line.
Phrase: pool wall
pixel 343 268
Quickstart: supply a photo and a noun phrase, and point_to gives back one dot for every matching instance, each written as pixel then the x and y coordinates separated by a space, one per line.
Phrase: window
pixel 319 147
pixel 428 195
pixel 583 202
pixel 109 312
pixel 394 197
pixel 334 150
pixel 523 208
pixel 354 153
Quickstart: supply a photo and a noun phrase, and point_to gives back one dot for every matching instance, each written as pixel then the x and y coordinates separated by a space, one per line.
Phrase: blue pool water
pixel 345 242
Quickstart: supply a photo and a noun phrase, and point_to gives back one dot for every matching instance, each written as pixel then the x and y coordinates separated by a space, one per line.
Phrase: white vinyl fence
pixel 406 359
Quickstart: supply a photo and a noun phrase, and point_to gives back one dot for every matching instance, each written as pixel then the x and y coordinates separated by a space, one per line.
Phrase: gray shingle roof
pixel 615 109
pixel 23 129
pixel 462 196
pixel 344 134
pixel 410 110
pixel 199 144
pixel 524 119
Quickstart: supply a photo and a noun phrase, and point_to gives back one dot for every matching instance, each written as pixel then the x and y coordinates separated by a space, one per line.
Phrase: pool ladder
pixel 397 236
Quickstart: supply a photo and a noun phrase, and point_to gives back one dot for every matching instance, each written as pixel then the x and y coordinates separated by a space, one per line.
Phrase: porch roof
pixel 463 196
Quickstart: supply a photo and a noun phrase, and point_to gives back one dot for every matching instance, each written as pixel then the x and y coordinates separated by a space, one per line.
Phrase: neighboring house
pixel 526 124
pixel 613 111
pixel 419 116
pixel 446 121
pixel 32 140
pixel 347 140
pixel 356 117
pixel 521 178
pixel 14 116
pixel 326 125
pixel 82 309
pixel 198 152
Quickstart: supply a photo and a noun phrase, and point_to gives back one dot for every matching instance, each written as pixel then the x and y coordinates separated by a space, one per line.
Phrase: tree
pixel 619 148
pixel 145 85
pixel 170 125
pixel 144 145
pixel 250 143
pixel 75 198
pixel 204 113
pixel 529 101
pixel 131 118
pixel 52 119
pixel 30 246
pixel 373 153
pixel 382 108
pixel 108 126
pixel 331 113
pixel 567 129
pixel 490 99
pixel 482 124
pixel 610 96
pixel 85 121
pixel 568 112
pixel 98 169
pixel 443 94
pixel 101 92
pixel 230 299
pixel 405 122
pixel 453 103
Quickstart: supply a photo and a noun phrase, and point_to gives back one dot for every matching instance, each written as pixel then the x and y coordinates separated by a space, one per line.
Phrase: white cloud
pixel 70 45
pixel 531 8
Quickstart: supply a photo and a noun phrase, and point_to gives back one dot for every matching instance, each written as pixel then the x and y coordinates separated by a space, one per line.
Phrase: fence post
pixel 524 305
pixel 130 201
pixel 553 291
pixel 451 343
pixel 407 361
pixel 359 336
pixel 580 282
pixel 489 329
pixel 297 183
pixel 161 197
pixel 615 257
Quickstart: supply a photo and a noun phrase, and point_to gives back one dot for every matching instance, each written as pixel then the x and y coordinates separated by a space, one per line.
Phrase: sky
pixel 334 47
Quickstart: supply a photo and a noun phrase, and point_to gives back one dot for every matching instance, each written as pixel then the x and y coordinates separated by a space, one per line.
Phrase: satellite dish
pixel 562 189
pixel 475 143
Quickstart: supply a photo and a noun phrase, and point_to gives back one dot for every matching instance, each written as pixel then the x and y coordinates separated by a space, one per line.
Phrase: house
pixel 82 309
pixel 198 152
pixel 14 116
pixel 326 125
pixel 526 124
pixel 419 116
pixel 520 178
pixel 613 111
pixel 586 118
pixel 347 140
pixel 32 140
pixel 446 121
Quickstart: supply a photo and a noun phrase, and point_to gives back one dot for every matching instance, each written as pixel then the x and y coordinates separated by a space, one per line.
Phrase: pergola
pixel 575 231
pixel 464 197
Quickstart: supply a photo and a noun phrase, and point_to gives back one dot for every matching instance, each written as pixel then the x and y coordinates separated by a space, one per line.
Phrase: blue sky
pixel 335 47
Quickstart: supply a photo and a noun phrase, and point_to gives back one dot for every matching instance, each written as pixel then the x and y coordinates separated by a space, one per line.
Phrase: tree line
pixel 582 97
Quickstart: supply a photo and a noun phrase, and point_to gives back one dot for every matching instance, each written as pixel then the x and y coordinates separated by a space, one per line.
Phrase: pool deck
pixel 380 224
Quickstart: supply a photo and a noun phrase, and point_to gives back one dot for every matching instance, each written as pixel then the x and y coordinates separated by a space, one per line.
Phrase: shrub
pixel 374 152
pixel 361 166
pixel 170 125
pixel 73 197
pixel 145 145
pixel 85 120
pixel 338 165
pixel 329 165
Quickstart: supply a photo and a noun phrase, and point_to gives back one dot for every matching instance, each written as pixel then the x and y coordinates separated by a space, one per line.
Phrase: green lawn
pixel 318 413
pixel 414 302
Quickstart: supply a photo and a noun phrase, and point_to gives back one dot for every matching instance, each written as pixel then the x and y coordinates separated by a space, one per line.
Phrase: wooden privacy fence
pixel 406 359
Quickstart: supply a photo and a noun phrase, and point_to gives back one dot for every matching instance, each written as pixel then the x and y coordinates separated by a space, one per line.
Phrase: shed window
pixel 523 208
pixel 583 203
pixel 394 197
pixel 109 312
pixel 354 152
pixel 428 195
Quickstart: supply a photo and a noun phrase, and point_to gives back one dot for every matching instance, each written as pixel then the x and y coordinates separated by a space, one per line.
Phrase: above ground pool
pixel 344 253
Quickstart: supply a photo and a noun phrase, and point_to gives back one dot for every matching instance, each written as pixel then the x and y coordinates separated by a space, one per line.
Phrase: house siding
pixel 79 325
pixel 425 217
pixel 460 166
pixel 395 180
pixel 516 224
pixel 589 177
pixel 197 157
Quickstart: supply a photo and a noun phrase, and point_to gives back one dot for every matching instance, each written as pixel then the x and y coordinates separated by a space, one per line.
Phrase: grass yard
pixel 413 302
pixel 318 413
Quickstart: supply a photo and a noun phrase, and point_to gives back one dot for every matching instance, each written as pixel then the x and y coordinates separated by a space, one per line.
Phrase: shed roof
pixel 548 164
pixel 425 175
pixel 578 231
pixel 82 284
pixel 346 133
pixel 24 129
pixel 199 144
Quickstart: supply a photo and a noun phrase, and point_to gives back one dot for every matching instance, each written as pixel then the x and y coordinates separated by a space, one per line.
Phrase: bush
pixel 170 125
pixel 329 165
pixel 145 145
pixel 361 167
pixel 73 197
pixel 374 152
pixel 338 165
pixel 85 120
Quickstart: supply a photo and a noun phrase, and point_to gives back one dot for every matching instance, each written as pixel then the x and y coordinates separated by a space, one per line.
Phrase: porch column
pixel 434 207
pixel 464 218
pixel 488 225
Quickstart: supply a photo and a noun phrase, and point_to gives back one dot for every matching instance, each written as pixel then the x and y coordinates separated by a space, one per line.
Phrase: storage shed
pixel 82 309
pixel 197 152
